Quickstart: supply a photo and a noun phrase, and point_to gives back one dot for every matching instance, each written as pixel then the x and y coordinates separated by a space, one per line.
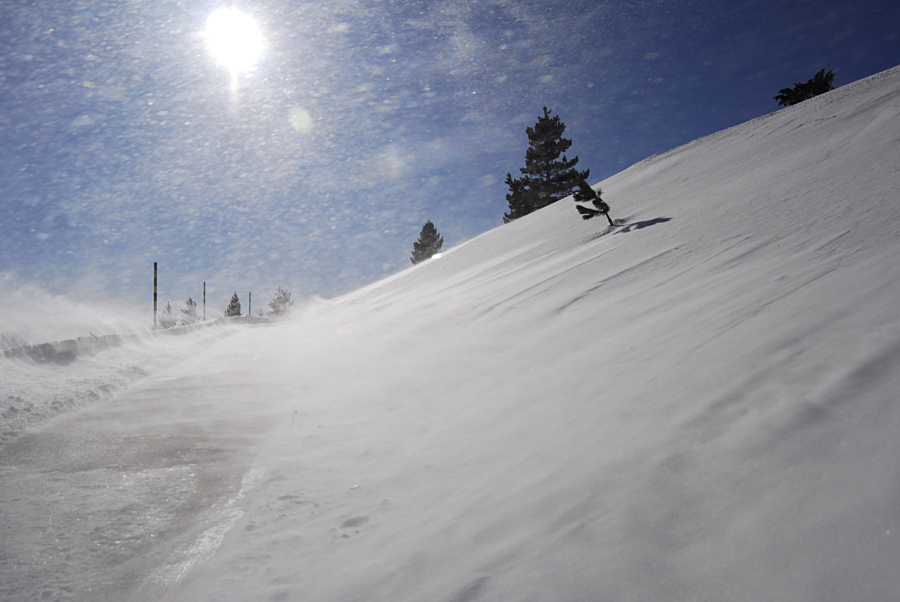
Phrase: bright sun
pixel 234 39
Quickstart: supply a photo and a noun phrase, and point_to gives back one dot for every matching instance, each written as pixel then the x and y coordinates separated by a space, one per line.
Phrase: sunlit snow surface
pixel 699 405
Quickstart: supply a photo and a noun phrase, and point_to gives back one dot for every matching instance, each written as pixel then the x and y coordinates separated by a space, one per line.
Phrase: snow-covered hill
pixel 701 405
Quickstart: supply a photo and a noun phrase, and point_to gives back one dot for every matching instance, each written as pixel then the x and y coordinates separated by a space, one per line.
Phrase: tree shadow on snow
pixel 643 224
pixel 622 226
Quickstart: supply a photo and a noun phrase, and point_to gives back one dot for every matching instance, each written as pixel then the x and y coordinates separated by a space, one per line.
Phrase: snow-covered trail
pixel 120 500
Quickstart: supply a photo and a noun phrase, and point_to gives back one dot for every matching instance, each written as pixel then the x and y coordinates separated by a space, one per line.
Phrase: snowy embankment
pixel 702 405
pixel 41 380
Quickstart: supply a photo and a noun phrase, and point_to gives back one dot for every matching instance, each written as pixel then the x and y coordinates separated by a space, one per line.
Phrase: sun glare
pixel 234 39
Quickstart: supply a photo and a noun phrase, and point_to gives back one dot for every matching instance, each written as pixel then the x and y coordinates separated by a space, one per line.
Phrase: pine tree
pixel 281 303
pixel 167 317
pixel 584 194
pixel 819 84
pixel 189 312
pixel 545 178
pixel 428 245
pixel 234 307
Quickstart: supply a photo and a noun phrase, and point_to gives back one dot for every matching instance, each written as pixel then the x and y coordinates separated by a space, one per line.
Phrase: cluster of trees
pixel 187 316
pixel 279 306
pixel 546 177
pixel 819 84
pixel 549 175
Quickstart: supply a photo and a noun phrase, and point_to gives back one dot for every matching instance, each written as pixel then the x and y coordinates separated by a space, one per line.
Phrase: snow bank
pixel 38 382
pixel 32 316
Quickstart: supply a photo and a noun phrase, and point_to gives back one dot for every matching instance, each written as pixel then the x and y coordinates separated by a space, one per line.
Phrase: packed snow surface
pixel 699 405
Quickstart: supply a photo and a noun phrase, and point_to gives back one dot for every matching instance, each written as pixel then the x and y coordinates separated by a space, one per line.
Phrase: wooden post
pixel 154 294
pixel 250 304
pixel 204 301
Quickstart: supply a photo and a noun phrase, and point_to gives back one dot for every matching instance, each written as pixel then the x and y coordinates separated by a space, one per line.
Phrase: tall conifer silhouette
pixel 429 243
pixel 546 178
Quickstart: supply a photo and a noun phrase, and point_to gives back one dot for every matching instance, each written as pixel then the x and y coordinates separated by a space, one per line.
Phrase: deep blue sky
pixel 121 142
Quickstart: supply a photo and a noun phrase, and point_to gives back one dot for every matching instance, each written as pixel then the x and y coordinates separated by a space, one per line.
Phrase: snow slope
pixel 701 405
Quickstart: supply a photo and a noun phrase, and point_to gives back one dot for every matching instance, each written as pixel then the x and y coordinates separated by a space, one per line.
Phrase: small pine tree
pixel 428 245
pixel 167 318
pixel 819 84
pixel 584 194
pixel 281 303
pixel 234 307
pixel 189 312
pixel 545 178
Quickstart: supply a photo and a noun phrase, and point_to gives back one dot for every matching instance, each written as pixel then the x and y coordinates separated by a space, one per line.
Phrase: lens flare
pixel 301 120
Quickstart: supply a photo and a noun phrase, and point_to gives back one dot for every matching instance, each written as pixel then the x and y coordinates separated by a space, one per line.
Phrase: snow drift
pixel 38 382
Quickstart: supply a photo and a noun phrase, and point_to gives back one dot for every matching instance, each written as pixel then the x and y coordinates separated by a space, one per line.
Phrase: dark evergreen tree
pixel 167 318
pixel 234 307
pixel 281 303
pixel 545 178
pixel 429 243
pixel 819 84
pixel 189 312
pixel 584 194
